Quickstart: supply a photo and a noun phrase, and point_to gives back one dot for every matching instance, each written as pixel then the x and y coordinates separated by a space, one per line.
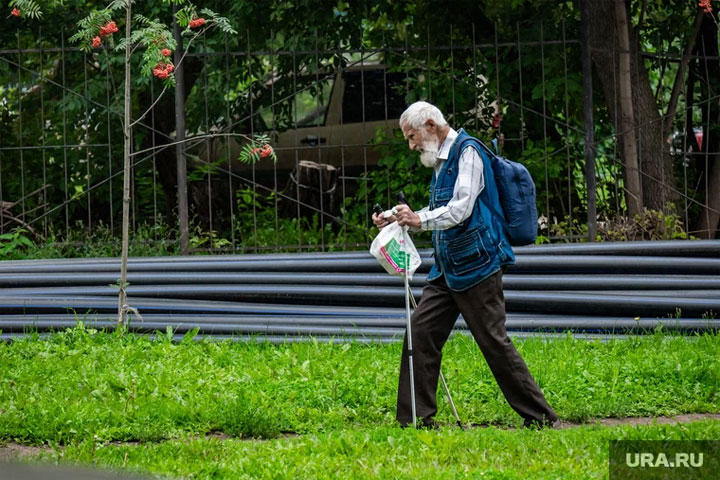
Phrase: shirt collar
pixel 444 152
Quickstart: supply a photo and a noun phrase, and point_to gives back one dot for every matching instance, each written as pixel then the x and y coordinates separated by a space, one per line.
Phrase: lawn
pixel 313 409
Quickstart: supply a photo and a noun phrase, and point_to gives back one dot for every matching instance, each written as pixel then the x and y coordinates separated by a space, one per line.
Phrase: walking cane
pixel 408 332
pixel 408 327
pixel 408 295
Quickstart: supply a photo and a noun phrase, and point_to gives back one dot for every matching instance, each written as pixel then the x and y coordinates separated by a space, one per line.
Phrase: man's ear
pixel 431 126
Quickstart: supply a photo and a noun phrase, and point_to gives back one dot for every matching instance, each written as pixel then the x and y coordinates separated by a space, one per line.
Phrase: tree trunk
pixel 316 185
pixel 709 164
pixel 709 218
pixel 653 152
pixel 126 173
pixel 164 116
pixel 626 122
pixel 182 194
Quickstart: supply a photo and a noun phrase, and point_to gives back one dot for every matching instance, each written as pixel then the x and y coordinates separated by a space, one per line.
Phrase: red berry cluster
pixel 163 70
pixel 705 6
pixel 108 29
pixel 105 31
pixel 264 151
pixel 197 22
pixel 15 12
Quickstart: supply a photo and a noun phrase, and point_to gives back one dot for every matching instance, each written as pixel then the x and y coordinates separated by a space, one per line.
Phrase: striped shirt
pixel 468 186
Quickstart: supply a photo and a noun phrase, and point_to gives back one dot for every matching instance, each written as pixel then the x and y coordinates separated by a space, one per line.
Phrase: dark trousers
pixel 483 308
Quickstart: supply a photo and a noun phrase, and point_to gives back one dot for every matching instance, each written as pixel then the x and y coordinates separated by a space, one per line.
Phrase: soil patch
pixel 15 451
pixel 612 422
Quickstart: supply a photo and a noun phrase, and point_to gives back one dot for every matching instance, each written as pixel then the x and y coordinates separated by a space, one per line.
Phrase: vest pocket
pixel 442 196
pixel 468 252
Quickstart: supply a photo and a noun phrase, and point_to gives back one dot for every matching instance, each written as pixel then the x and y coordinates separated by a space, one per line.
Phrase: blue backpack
pixel 516 191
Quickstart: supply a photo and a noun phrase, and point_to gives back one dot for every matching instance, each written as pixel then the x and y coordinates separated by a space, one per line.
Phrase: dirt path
pixel 612 422
pixel 15 451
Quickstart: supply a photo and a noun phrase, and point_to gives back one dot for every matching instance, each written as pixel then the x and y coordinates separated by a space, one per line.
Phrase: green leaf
pixel 190 336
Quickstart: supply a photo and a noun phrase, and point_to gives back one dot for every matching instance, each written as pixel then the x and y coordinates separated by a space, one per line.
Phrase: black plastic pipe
pixel 672 248
pixel 340 297
pixel 393 319
pixel 345 326
pixel 352 295
pixel 32 305
pixel 683 248
pixel 42 279
pixel 577 264
pixel 511 281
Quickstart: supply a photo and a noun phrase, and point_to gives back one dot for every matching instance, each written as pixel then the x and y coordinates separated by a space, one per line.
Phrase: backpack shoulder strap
pixel 469 140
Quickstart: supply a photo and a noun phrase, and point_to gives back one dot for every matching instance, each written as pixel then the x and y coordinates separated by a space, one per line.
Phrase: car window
pixel 372 88
pixel 311 105
pixel 307 108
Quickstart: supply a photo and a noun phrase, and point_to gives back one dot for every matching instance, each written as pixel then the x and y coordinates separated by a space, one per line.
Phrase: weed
pixel 15 244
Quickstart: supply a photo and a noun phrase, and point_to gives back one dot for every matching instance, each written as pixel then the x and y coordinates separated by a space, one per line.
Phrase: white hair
pixel 420 112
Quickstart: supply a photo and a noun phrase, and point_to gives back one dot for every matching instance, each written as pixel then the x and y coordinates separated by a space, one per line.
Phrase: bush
pixel 648 225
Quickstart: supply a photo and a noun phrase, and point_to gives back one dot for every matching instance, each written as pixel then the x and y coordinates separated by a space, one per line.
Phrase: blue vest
pixel 476 248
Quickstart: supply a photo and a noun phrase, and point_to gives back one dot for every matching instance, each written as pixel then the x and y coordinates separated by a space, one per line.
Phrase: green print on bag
pixel 394 254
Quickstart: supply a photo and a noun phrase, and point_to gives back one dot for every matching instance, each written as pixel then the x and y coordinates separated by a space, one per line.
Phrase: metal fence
pixel 331 114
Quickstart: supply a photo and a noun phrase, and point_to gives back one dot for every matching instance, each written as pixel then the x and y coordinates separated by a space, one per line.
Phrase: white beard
pixel 428 156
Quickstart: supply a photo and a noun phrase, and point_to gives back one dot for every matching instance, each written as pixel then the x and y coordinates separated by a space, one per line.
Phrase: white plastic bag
pixel 390 248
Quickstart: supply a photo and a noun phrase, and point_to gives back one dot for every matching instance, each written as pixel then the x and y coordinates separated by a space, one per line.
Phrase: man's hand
pixel 381 222
pixel 405 216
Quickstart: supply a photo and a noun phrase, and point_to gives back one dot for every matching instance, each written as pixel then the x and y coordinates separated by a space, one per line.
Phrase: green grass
pixel 386 452
pixel 80 383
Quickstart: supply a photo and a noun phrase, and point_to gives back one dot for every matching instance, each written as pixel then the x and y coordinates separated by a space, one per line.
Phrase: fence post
pixel 180 137
pixel 588 121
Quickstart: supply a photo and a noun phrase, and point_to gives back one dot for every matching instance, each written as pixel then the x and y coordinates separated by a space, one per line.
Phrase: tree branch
pixel 680 77
pixel 641 20
pixel 144 114
pixel 19 222
pixel 195 137
pixel 150 108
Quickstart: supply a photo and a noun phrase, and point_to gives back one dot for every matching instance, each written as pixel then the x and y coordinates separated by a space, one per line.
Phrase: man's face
pixel 424 140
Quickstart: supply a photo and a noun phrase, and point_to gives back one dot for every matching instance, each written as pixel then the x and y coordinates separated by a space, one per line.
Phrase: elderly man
pixel 471 252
